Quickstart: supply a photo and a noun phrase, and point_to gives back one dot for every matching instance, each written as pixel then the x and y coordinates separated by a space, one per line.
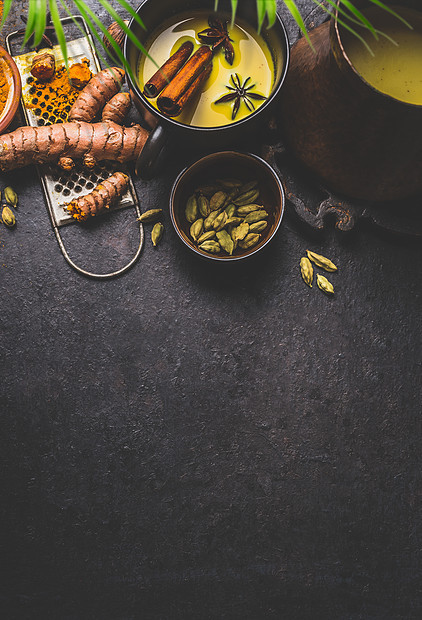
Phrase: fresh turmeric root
pixel 107 139
pixel 102 197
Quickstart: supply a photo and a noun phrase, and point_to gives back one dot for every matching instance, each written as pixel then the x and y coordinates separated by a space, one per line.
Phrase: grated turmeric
pixel 51 101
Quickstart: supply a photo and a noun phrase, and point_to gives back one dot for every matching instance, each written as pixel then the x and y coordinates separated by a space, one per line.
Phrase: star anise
pixel 217 35
pixel 240 92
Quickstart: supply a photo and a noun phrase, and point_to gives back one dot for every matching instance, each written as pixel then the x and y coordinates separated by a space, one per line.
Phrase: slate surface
pixel 190 441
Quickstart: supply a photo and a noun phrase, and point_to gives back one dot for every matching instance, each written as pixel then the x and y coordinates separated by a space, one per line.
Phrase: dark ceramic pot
pixel 358 141
pixel 166 130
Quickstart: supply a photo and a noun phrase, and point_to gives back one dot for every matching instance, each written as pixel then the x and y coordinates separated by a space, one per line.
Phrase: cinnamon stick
pixel 168 70
pixel 190 92
pixel 176 95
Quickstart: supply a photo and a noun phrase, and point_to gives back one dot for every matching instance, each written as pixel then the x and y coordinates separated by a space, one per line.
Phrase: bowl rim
pixel 238 153
pixel 162 118
pixel 17 87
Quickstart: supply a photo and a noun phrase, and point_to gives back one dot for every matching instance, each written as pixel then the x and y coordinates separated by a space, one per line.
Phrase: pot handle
pixel 153 155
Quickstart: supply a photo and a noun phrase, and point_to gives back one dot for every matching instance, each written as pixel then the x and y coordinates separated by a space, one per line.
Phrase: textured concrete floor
pixel 189 441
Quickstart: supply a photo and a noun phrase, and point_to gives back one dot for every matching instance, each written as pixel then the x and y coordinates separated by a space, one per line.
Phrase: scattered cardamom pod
pixel 324 284
pixel 206 236
pixel 150 216
pixel 204 206
pixel 196 229
pixel 249 241
pixel 210 246
pixel 11 196
pixel 225 241
pixel 157 233
pixel 257 227
pixel 321 261
pixel 191 210
pixel 306 270
pixel 8 217
pixel 217 200
pixel 255 216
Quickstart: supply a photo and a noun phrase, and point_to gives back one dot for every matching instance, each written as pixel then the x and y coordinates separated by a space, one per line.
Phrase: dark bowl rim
pixel 253 251
pixel 17 87
pixel 194 128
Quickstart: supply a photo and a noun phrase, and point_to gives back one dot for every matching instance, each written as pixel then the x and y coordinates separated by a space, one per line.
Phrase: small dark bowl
pixel 14 84
pixel 228 164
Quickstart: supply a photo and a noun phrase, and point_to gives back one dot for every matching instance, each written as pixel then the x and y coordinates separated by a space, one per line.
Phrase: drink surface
pixel 395 70
pixel 252 58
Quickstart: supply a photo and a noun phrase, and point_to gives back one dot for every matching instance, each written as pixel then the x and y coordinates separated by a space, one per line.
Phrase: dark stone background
pixel 189 441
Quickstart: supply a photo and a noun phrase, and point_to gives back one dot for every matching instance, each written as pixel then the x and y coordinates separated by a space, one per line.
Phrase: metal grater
pixel 61 187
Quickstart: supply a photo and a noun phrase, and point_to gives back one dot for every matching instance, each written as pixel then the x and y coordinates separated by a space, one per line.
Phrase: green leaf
pixel 55 18
pixel 271 8
pixel 360 16
pixel 390 10
pixel 30 24
pixel 125 5
pixel 234 9
pixel 261 10
pixel 6 8
pixel 290 4
pixel 40 21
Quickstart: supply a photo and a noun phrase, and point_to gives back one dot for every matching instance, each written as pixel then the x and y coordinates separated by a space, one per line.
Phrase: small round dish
pixel 11 87
pixel 245 167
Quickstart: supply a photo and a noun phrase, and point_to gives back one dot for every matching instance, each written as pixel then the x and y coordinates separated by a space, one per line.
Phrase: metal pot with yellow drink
pixel 203 80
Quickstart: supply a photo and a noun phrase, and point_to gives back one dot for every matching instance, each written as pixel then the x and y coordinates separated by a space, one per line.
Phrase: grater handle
pixel 101 276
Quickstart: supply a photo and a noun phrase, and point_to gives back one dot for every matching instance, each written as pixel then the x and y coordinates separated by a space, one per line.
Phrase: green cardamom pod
pixel 257 227
pixel 242 211
pixel 217 200
pixel 230 210
pixel 157 233
pixel 206 236
pixel 191 211
pixel 248 186
pixel 246 198
pixel 240 232
pixel 233 221
pixel 225 241
pixel 306 270
pixel 210 246
pixel 324 284
pixel 8 217
pixel 229 183
pixel 196 229
pixel 220 221
pixel 321 261
pixel 150 216
pixel 207 190
pixel 11 196
pixel 204 205
pixel 209 221
pixel 255 216
pixel 249 241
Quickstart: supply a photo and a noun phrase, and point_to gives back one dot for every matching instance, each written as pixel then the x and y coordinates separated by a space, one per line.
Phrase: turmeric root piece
pixel 66 163
pixel 43 65
pixel 102 197
pixel 117 108
pixel 39 145
pixel 80 74
pixel 100 89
